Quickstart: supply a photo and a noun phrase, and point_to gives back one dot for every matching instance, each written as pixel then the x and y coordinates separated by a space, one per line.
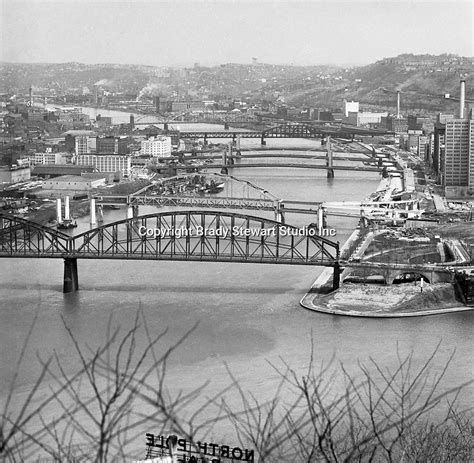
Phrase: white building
pixel 51 158
pixel 107 162
pixel 350 107
pixel 365 118
pixel 72 183
pixel 156 146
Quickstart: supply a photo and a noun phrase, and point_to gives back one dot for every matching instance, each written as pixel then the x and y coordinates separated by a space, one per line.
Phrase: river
pixel 248 315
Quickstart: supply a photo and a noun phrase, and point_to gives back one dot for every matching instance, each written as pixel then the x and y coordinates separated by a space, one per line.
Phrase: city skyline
pixel 277 32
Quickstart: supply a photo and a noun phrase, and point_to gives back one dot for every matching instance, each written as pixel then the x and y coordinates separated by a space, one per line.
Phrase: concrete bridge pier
pixel 71 278
pixel 100 213
pixel 262 140
pixel 165 127
pixel 132 211
pixel 336 276
pixel 93 216
pixel 226 126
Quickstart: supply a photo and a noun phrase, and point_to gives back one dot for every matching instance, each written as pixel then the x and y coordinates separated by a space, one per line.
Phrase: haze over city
pixel 185 32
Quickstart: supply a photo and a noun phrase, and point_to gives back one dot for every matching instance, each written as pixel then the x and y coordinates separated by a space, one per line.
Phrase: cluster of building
pixel 83 157
pixel 35 138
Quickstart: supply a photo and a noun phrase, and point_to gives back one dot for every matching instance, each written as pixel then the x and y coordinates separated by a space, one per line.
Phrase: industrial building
pixel 73 183
pixel 51 158
pixel 107 163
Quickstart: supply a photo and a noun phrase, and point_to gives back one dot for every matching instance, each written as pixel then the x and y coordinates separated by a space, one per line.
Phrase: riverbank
pixel 374 300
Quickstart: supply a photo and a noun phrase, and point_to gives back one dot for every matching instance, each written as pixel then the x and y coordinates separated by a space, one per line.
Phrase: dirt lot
pixel 403 298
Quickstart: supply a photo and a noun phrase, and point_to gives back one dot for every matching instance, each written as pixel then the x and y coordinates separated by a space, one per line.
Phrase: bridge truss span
pixel 206 236
pixel 22 238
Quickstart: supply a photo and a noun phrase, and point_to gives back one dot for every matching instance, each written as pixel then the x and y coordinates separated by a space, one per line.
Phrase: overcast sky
pixel 183 32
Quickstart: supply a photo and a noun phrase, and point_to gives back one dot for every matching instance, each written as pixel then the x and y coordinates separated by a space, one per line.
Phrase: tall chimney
pixel 462 99
pixel 398 104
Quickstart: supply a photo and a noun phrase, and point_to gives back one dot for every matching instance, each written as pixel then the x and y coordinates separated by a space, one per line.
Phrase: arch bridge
pixel 203 236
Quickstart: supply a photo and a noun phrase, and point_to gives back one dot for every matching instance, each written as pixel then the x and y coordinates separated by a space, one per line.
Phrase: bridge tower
pixel 226 152
pixel 237 147
pixel 329 161
pixel 279 211
pixel 322 220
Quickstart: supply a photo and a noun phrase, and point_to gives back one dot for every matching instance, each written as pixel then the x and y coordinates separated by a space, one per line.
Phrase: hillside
pixel 422 79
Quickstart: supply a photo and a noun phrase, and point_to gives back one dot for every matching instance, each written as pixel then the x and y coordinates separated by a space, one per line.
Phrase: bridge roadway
pixel 273 155
pixel 287 165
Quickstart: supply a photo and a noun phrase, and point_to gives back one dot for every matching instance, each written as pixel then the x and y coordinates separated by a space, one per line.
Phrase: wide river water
pixel 248 315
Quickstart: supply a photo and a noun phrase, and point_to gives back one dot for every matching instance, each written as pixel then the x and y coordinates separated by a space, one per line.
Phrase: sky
pixel 184 32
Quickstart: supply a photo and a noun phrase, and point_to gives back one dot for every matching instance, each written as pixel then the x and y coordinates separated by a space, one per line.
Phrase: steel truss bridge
pixel 202 236
pixel 286 130
pixel 241 195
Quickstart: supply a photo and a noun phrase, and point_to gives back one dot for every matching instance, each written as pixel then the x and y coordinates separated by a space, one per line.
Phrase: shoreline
pixel 316 291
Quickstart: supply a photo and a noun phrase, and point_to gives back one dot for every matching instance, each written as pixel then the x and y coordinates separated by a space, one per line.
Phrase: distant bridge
pixel 202 236
pixel 286 130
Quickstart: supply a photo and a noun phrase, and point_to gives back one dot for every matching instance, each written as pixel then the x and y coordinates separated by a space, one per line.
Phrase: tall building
pixel 156 146
pixel 458 165
pixel 350 107
pixel 112 145
pixel 83 144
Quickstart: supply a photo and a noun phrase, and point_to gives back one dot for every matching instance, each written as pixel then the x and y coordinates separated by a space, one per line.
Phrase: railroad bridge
pixel 203 236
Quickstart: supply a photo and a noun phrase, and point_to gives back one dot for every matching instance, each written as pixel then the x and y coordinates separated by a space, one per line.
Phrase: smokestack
pixel 398 104
pixel 67 216
pixel 462 99
pixel 59 218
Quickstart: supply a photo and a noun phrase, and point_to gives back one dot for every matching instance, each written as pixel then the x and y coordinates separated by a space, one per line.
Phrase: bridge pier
pixel 92 213
pixel 71 278
pixel 262 140
pixel 336 276
pixel 132 211
pixel 226 126
pixel 165 127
